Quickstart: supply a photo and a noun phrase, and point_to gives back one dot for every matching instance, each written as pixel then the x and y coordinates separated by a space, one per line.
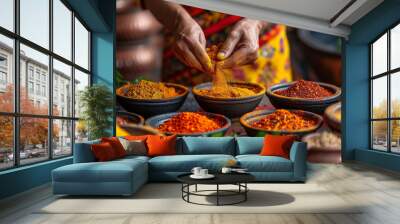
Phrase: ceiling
pixel 326 16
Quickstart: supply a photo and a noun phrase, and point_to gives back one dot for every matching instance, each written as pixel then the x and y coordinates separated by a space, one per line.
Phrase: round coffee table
pixel 238 179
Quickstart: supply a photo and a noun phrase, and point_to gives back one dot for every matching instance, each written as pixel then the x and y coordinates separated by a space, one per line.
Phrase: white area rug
pixel 166 198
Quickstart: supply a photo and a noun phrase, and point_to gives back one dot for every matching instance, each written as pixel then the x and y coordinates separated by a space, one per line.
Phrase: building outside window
pixel 30 87
pixel 30 72
pixel 57 123
pixel 385 94
pixel 3 72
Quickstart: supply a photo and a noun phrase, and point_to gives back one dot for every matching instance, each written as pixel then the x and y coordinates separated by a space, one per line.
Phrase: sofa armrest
pixel 83 152
pixel 298 155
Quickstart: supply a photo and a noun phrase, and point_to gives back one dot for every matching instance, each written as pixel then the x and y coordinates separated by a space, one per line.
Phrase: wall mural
pixel 191 71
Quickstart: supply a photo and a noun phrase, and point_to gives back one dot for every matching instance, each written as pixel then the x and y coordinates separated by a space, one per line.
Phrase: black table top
pixel 220 178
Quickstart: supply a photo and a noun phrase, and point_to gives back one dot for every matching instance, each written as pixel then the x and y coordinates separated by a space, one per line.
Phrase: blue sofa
pixel 125 176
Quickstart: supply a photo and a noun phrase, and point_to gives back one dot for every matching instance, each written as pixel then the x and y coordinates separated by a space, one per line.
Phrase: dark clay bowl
pixel 330 117
pixel 254 116
pixel 230 107
pixel 151 107
pixel 156 121
pixel 314 105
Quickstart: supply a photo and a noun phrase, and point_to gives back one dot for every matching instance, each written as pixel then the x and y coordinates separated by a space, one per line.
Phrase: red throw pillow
pixel 136 137
pixel 277 145
pixel 116 145
pixel 103 152
pixel 161 145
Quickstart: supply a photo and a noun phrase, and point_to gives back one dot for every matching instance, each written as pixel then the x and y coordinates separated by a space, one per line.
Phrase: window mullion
pixel 16 85
pixel 389 104
pixel 73 82
pixel 50 80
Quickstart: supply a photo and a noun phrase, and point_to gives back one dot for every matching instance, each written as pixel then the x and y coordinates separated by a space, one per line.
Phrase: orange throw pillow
pixel 277 145
pixel 116 145
pixel 136 137
pixel 161 145
pixel 103 152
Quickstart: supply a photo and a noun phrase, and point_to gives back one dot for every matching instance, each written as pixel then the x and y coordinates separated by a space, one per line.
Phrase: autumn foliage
pixel 33 131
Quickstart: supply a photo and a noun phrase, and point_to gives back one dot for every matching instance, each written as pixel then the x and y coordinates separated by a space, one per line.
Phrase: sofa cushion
pixel 116 145
pixel 112 171
pixel 277 145
pixel 185 163
pixel 104 152
pixel 208 145
pixel 249 145
pixel 257 163
pixel 161 145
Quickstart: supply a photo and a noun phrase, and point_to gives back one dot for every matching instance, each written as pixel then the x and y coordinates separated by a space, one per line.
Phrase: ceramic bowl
pixel 331 118
pixel 230 107
pixel 249 118
pixel 156 121
pixel 314 105
pixel 151 107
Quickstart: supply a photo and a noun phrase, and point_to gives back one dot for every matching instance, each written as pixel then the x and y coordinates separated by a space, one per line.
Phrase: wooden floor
pixel 377 188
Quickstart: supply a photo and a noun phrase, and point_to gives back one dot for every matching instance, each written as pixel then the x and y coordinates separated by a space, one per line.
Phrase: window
pixel 45 73
pixel 385 94
pixel 44 91
pixel 38 89
pixel 3 72
pixel 3 78
pixel 30 72
pixel 30 87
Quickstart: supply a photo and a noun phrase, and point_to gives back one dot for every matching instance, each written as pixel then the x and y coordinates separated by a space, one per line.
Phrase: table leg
pixel 217 194
pixel 245 193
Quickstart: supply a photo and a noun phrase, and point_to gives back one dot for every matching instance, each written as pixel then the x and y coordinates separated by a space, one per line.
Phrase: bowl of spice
pixel 190 124
pixel 333 116
pixel 280 122
pixel 304 95
pixel 232 101
pixel 149 98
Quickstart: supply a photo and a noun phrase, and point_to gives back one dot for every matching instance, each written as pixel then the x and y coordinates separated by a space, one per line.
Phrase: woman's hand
pixel 190 45
pixel 241 45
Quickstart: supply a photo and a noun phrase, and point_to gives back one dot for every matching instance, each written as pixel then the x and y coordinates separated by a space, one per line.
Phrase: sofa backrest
pixel 83 152
pixel 206 145
pixel 249 145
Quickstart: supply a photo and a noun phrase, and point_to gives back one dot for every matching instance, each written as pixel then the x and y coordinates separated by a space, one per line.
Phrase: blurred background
pixel 143 52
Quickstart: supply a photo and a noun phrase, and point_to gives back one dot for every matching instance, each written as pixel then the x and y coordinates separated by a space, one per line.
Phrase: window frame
pixel 388 74
pixel 16 114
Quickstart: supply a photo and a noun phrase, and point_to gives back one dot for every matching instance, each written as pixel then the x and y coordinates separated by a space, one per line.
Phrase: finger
pixel 229 45
pixel 242 56
pixel 200 53
pixel 184 54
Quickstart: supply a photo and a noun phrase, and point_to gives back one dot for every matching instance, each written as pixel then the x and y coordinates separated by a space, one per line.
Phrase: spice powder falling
pixel 220 87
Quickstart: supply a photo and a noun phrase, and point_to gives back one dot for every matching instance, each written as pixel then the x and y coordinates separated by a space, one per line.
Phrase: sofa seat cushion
pixel 185 163
pixel 113 171
pixel 257 163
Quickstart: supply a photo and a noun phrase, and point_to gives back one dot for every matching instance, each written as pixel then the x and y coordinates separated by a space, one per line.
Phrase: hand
pixel 241 45
pixel 190 45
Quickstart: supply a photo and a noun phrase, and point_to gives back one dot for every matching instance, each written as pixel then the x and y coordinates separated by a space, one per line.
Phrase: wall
pixel 356 100
pixel 100 17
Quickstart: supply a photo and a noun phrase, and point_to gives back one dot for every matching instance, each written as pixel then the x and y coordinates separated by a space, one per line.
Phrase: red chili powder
pixel 305 89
